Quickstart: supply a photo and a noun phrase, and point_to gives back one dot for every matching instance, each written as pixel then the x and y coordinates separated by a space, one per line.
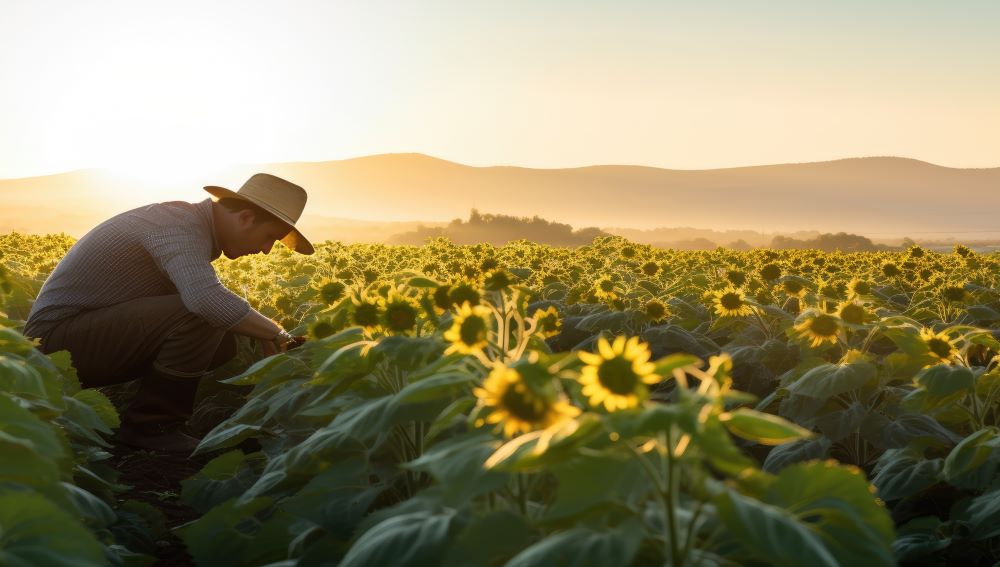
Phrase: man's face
pixel 253 238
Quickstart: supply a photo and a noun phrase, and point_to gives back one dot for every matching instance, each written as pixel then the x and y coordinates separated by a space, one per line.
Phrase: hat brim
pixel 294 239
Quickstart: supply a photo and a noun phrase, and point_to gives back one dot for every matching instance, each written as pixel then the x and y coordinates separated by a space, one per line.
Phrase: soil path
pixel 156 480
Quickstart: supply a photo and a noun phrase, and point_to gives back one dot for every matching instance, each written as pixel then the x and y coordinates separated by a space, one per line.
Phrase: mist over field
pixel 375 198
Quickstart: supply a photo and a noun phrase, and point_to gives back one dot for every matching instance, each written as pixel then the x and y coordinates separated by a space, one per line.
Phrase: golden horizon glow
pixel 170 92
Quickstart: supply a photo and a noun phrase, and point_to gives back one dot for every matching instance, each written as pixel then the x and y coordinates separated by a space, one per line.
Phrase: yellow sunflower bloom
pixel 731 302
pixel 939 346
pixel 819 328
pixel 516 407
pixel 604 288
pixel 656 310
pixel 367 310
pixel 616 376
pixel 857 287
pixel 852 312
pixel 548 321
pixel 793 288
pixel 470 331
pixel 400 314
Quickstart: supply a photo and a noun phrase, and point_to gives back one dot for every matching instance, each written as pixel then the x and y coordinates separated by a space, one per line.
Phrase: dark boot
pixel 155 417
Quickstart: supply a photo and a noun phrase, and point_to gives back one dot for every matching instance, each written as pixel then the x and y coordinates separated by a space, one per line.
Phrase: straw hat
pixel 281 198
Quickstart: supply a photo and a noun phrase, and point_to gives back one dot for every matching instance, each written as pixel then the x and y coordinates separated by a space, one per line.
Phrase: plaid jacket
pixel 158 249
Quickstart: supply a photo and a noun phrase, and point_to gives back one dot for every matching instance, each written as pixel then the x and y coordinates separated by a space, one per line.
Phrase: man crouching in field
pixel 138 298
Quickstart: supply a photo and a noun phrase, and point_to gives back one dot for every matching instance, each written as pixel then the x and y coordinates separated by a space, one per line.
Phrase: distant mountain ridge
pixel 859 195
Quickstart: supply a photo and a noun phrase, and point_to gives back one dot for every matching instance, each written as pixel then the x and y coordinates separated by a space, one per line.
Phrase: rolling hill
pixel 876 195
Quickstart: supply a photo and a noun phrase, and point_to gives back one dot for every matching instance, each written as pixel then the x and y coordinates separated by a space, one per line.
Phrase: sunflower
pixel 469 332
pixel 330 290
pixel 819 328
pixel 464 292
pixel 770 272
pixel 498 280
pixel 520 402
pixel 650 268
pixel 656 310
pixel 955 293
pixel 442 297
pixel 616 376
pixel 367 310
pixel 857 287
pixel 891 270
pixel 488 264
pixel 731 302
pixel 827 288
pixel 400 314
pixel 321 328
pixel 939 346
pixel 851 312
pixel 604 288
pixel 548 321
pixel 736 277
pixel 793 288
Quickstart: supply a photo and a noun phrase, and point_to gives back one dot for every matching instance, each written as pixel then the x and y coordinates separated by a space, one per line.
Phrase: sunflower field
pixel 525 405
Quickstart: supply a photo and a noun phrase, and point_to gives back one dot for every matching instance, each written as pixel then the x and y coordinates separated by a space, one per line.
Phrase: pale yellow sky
pixel 174 90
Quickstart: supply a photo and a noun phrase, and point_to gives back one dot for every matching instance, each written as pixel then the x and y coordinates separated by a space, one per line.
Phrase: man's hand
pixel 268 347
pixel 280 343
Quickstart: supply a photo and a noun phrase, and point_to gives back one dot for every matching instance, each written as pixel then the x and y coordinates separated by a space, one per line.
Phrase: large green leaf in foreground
pixel 34 532
pixel 815 513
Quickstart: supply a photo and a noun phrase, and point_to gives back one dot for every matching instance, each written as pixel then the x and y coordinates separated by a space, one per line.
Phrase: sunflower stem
pixel 673 487
pixel 763 327
pixel 654 477
pixel 522 494
pixel 502 330
pixel 975 410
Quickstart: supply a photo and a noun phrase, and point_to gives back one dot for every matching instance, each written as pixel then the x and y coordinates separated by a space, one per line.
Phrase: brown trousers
pixel 153 339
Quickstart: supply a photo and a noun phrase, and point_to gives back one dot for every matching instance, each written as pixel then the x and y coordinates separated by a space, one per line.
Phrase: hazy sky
pixel 179 88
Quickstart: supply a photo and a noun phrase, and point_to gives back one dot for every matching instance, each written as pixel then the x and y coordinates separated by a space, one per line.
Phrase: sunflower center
pixel 770 272
pixel 323 329
pixel 862 288
pixel 442 298
pixel 331 292
pixel 606 285
pixel 940 347
pixel 824 326
pixel 853 314
pixel 655 310
pixel 472 330
pixel 617 376
pixel 462 293
pixel 792 286
pixel 497 281
pixel 731 301
pixel 366 314
pixel 522 405
pixel 401 317
pixel 549 322
pixel 953 293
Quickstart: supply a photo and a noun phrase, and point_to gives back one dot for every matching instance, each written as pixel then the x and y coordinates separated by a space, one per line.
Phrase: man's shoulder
pixel 167 214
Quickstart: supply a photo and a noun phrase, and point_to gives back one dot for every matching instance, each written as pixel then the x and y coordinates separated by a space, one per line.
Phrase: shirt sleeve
pixel 184 258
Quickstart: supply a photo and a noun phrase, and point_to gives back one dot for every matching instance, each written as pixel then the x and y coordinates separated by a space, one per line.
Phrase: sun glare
pixel 168 174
